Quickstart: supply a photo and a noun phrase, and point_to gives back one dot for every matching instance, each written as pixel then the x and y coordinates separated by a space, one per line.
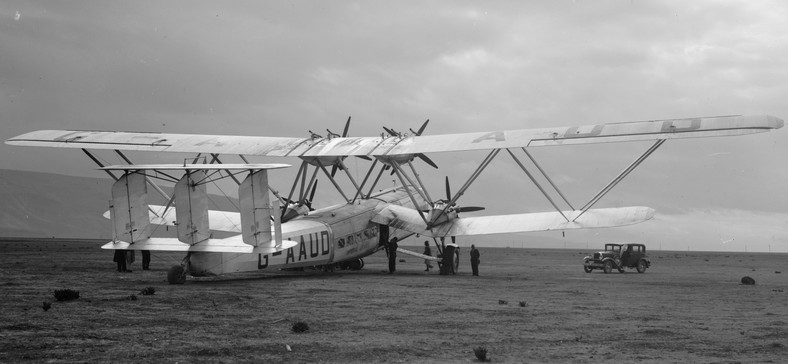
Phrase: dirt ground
pixel 526 306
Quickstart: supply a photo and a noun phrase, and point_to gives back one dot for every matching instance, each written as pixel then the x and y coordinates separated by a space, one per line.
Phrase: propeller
pixel 459 208
pixel 421 156
pixel 331 134
pixel 344 134
pixel 421 129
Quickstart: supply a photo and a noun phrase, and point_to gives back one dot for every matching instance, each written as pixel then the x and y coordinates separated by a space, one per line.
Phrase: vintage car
pixel 618 256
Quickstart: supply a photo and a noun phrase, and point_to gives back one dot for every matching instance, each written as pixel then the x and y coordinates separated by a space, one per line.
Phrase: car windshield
pixel 613 248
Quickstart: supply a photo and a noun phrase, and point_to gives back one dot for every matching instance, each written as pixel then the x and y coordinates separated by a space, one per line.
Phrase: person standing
pixel 392 249
pixel 120 258
pixel 145 259
pixel 130 258
pixel 475 260
pixel 427 251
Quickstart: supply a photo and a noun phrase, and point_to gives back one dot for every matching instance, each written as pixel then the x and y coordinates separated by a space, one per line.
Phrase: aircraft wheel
pixel 456 261
pixel 608 267
pixel 355 264
pixel 641 266
pixel 176 275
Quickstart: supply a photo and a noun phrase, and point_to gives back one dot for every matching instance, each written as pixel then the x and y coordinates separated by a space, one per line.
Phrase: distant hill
pixel 46 205
pixel 36 204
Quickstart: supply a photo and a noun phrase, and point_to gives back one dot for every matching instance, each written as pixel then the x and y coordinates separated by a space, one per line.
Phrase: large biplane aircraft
pixel 286 232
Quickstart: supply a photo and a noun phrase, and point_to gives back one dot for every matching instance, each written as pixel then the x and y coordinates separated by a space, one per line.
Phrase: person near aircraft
pixel 130 258
pixel 475 260
pixel 145 259
pixel 120 258
pixel 392 248
pixel 450 253
pixel 427 251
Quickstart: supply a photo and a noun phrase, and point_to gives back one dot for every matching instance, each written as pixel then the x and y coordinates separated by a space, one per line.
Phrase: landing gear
pixel 355 264
pixel 451 260
pixel 177 273
pixel 456 260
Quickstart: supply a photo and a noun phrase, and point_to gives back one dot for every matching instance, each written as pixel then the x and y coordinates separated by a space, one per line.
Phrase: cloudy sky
pixel 283 68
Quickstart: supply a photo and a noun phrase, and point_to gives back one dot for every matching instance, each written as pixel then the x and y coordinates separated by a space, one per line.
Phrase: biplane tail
pixel 131 215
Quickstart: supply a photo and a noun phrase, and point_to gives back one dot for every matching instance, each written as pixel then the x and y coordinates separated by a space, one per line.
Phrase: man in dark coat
pixel 120 258
pixel 145 259
pixel 475 260
pixel 392 249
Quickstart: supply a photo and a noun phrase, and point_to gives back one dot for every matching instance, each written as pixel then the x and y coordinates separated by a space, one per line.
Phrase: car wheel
pixel 641 266
pixel 587 269
pixel 608 267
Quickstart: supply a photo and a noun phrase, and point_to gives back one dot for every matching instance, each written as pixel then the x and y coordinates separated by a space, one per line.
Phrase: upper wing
pixel 409 219
pixel 396 145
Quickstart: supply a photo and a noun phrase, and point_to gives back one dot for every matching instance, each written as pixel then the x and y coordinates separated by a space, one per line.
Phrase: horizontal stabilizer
pixel 230 245
pixel 228 221
pixel 408 219
pixel 418 255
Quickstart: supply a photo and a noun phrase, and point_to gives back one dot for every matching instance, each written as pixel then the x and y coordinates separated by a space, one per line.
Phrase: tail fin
pixel 129 208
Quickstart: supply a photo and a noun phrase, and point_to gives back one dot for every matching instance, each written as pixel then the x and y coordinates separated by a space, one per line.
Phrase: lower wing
pixel 410 220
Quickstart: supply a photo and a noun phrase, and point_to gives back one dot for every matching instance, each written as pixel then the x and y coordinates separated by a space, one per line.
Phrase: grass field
pixel 527 306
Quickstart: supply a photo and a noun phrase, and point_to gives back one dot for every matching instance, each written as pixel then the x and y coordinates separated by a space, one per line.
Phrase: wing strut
pixel 343 167
pixel 380 174
pixel 405 186
pixel 215 158
pixel 471 179
pixel 415 174
pixel 339 189
pixel 549 180
pixel 401 174
pixel 301 170
pixel 539 186
pixel 620 177
pixel 364 182
pixel 95 160
pixel 148 179
pixel 275 192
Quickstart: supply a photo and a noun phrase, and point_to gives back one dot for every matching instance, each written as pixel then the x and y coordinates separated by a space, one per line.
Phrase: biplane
pixel 288 233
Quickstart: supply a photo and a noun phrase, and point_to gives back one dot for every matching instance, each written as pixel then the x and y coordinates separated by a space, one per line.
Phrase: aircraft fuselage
pixel 325 236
